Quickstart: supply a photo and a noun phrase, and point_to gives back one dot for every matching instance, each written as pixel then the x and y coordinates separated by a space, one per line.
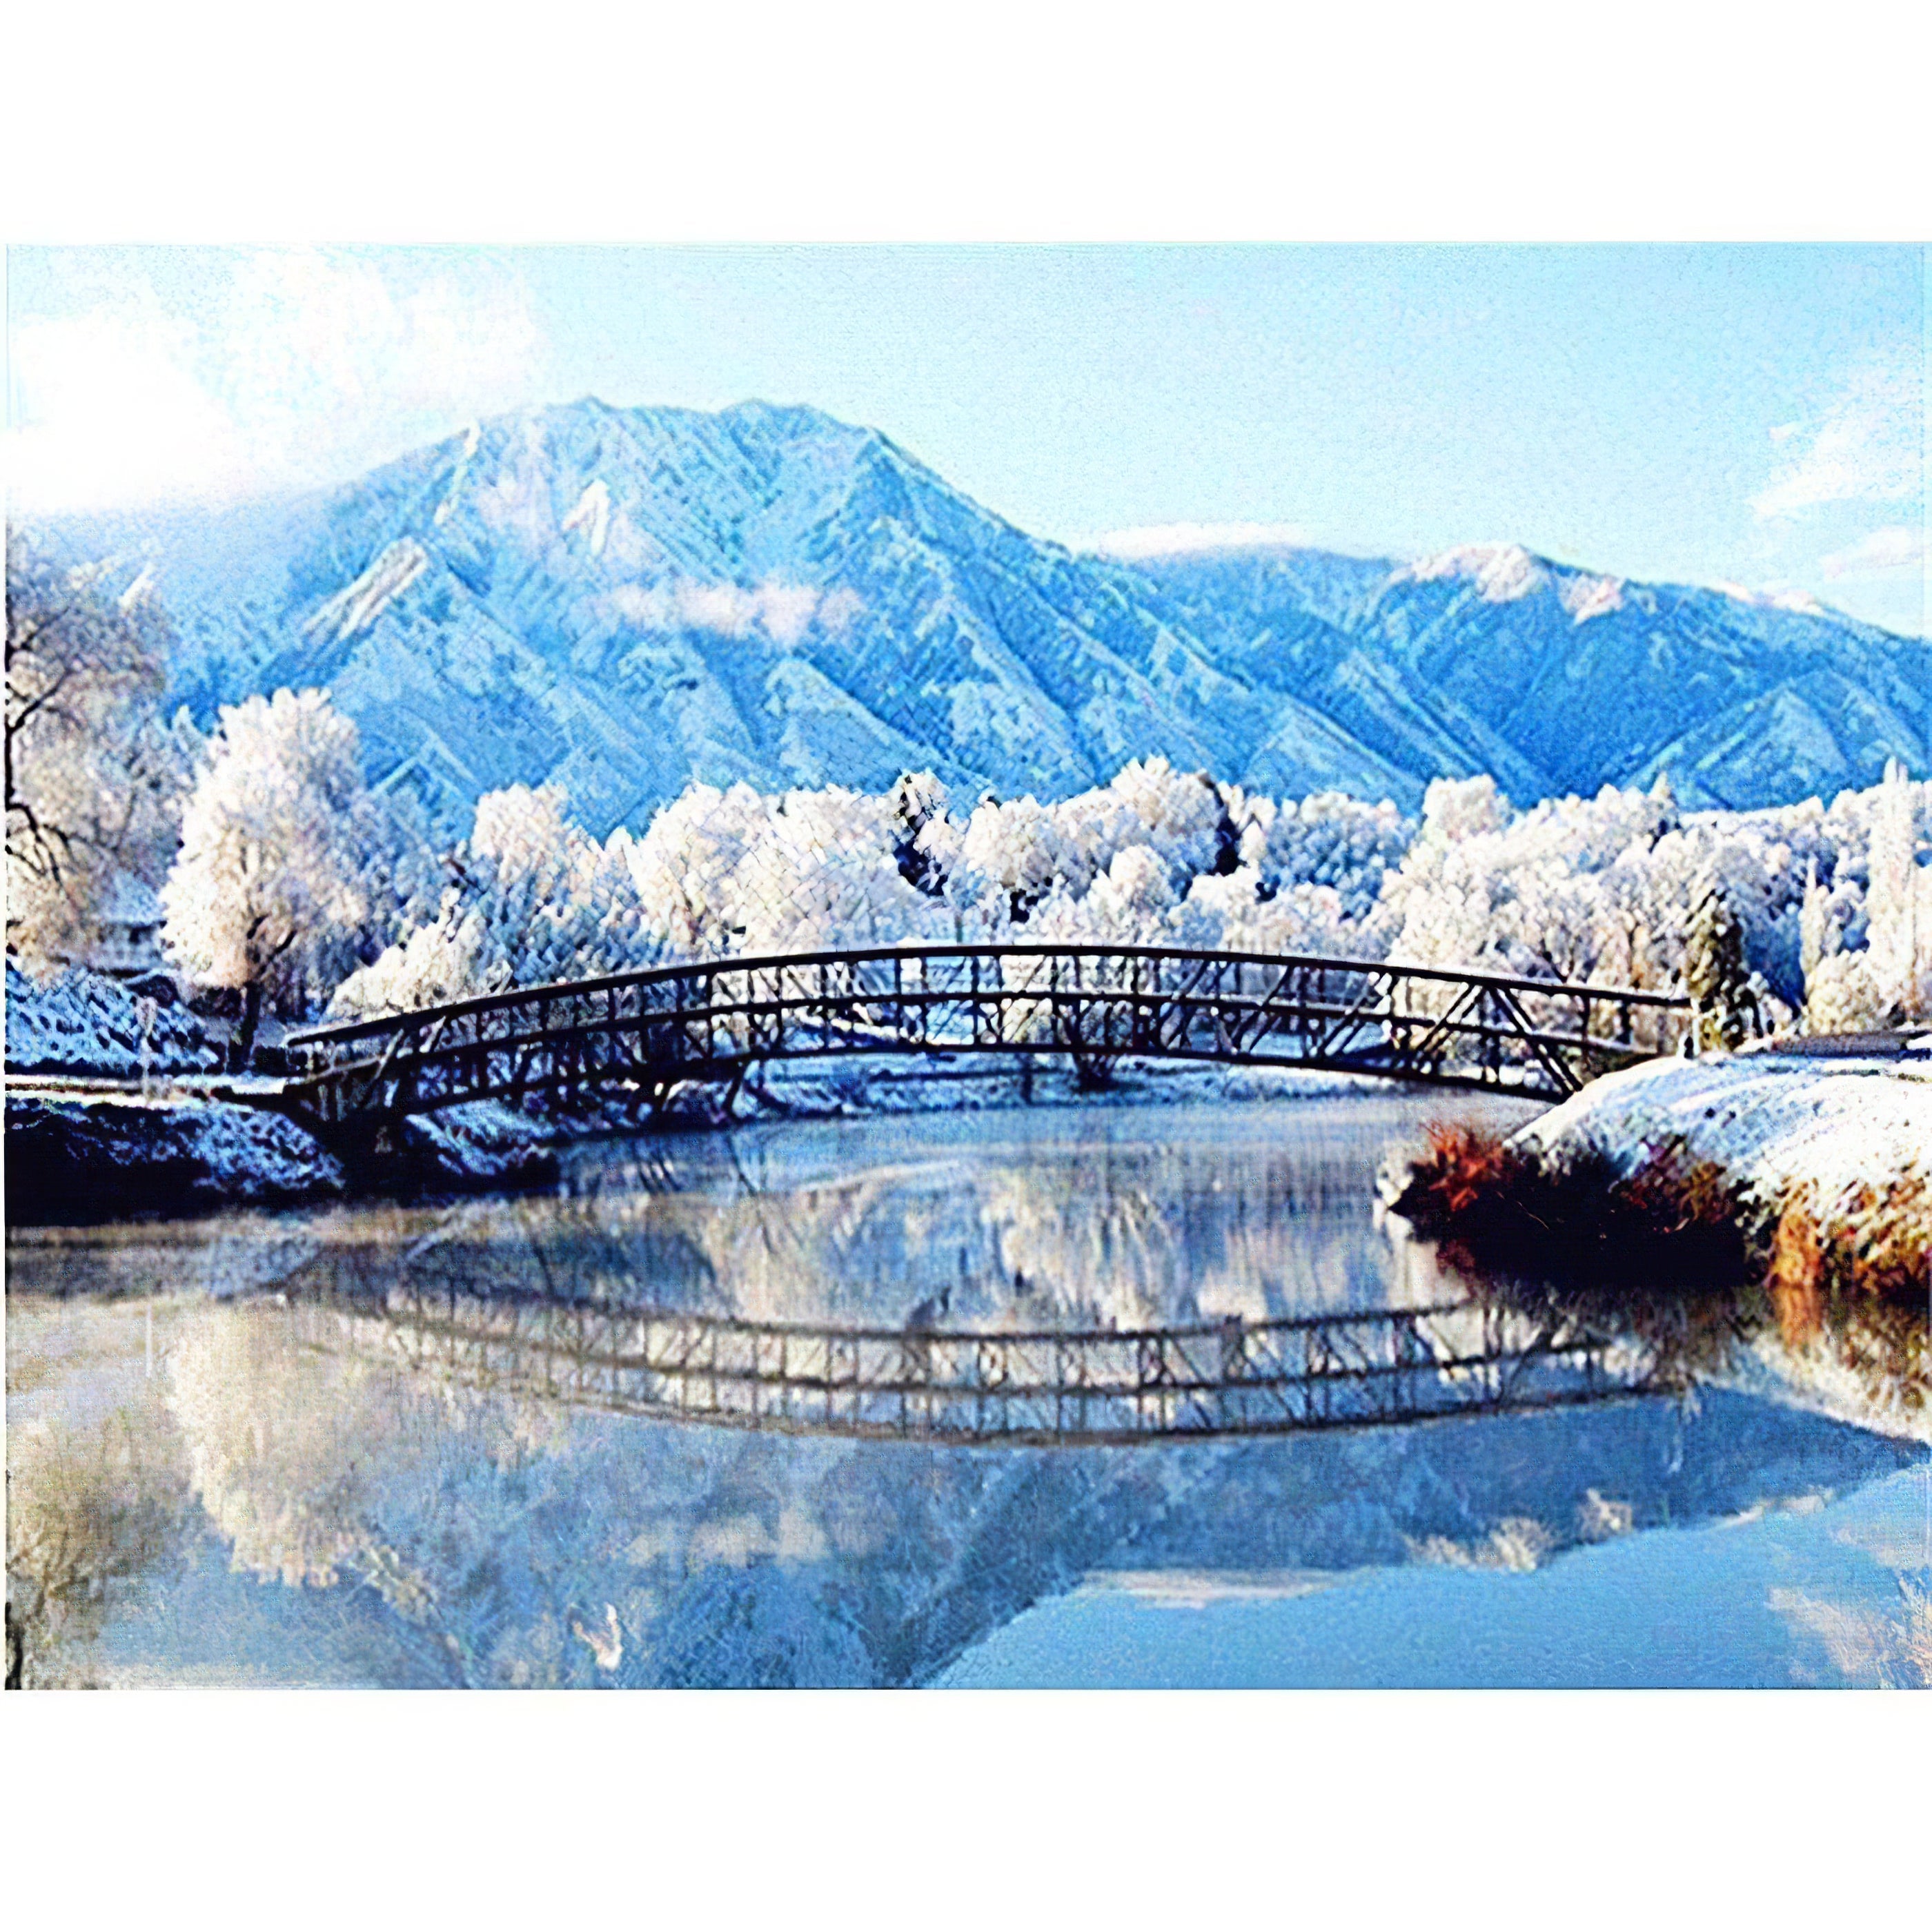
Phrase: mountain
pixel 624 600
pixel 1558 680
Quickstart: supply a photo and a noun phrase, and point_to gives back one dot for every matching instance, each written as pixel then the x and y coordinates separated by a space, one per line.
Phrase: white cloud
pixel 721 608
pixel 291 368
pixel 112 411
pixel 1191 539
pixel 1867 448
pixel 781 613
pixel 1898 547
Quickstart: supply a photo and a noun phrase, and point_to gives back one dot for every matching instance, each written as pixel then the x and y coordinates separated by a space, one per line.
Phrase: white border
pixel 392 122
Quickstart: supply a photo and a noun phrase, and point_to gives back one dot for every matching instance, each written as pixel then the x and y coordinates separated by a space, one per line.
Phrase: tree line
pixel 290 886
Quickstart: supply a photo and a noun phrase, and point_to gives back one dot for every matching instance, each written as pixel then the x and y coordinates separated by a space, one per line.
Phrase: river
pixel 212 1480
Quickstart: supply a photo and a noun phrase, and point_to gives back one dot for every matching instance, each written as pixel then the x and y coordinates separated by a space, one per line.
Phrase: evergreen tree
pixel 1715 975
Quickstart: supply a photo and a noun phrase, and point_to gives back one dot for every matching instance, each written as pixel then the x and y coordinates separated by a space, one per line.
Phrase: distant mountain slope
pixel 623 600
pixel 1558 679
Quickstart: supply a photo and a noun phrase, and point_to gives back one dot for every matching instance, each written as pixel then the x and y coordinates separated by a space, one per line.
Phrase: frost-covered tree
pixel 1897 905
pixel 1132 903
pixel 1181 816
pixel 1867 954
pixel 1817 934
pixel 823 873
pixel 733 872
pixel 1017 849
pixel 1595 889
pixel 685 865
pixel 1236 911
pixel 532 898
pixel 288 867
pixel 93 776
pixel 918 802
pixel 1326 839
pixel 1844 994
pixel 1599 890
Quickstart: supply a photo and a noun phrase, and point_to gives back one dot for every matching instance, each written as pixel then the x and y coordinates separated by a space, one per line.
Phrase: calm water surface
pixel 200 1493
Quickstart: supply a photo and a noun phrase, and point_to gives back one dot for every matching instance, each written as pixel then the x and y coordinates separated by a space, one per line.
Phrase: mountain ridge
pixel 624 600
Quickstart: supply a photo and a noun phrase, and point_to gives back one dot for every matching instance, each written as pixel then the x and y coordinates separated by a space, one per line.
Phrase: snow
pixel 1501 572
pixel 1777 1123
pixel 1800 602
pixel 1771 1120
pixel 864 1086
pixel 472 438
pixel 1587 597
pixel 357 608
pixel 1002 661
pixel 592 515
pixel 286 863
pixel 82 1022
pixel 76 1158
pixel 1591 890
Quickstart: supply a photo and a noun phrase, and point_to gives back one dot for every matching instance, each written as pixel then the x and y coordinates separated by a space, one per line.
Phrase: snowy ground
pixel 1769 1119
pixel 77 1155
pixel 895 1084
pixel 86 1023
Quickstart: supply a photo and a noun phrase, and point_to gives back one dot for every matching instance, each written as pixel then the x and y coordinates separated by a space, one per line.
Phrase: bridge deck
pixel 653 1030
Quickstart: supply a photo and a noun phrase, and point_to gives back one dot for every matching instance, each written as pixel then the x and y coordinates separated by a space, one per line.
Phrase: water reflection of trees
pixel 90 1507
pixel 491 1538
pixel 1093 1236
pixel 495 1538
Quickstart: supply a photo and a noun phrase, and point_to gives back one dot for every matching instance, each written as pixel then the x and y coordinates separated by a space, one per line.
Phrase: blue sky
pixel 1753 415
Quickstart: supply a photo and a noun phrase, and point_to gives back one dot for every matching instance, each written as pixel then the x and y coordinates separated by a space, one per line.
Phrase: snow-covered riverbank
pixel 1771 1121
pixel 1838 1149
pixel 81 1156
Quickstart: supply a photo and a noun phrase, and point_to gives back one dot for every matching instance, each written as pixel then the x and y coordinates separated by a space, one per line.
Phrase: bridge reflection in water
pixel 1095 1386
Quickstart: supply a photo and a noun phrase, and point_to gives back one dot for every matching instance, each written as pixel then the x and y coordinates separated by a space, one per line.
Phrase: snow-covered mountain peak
pixel 1800 603
pixel 1506 573
pixel 1501 572
pixel 1584 597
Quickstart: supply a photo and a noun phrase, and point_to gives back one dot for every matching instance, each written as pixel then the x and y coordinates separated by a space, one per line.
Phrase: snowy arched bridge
pixel 646 1033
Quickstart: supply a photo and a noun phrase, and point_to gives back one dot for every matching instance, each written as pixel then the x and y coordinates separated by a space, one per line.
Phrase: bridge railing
pixel 702 1019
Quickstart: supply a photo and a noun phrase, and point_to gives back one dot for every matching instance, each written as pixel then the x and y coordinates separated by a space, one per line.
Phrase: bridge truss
pixel 648 1033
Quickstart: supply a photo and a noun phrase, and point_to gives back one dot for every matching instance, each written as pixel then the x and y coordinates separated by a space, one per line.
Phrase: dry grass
pixel 1577 1220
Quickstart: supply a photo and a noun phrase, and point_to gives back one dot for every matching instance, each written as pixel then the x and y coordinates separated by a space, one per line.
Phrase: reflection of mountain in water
pixel 476 1529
